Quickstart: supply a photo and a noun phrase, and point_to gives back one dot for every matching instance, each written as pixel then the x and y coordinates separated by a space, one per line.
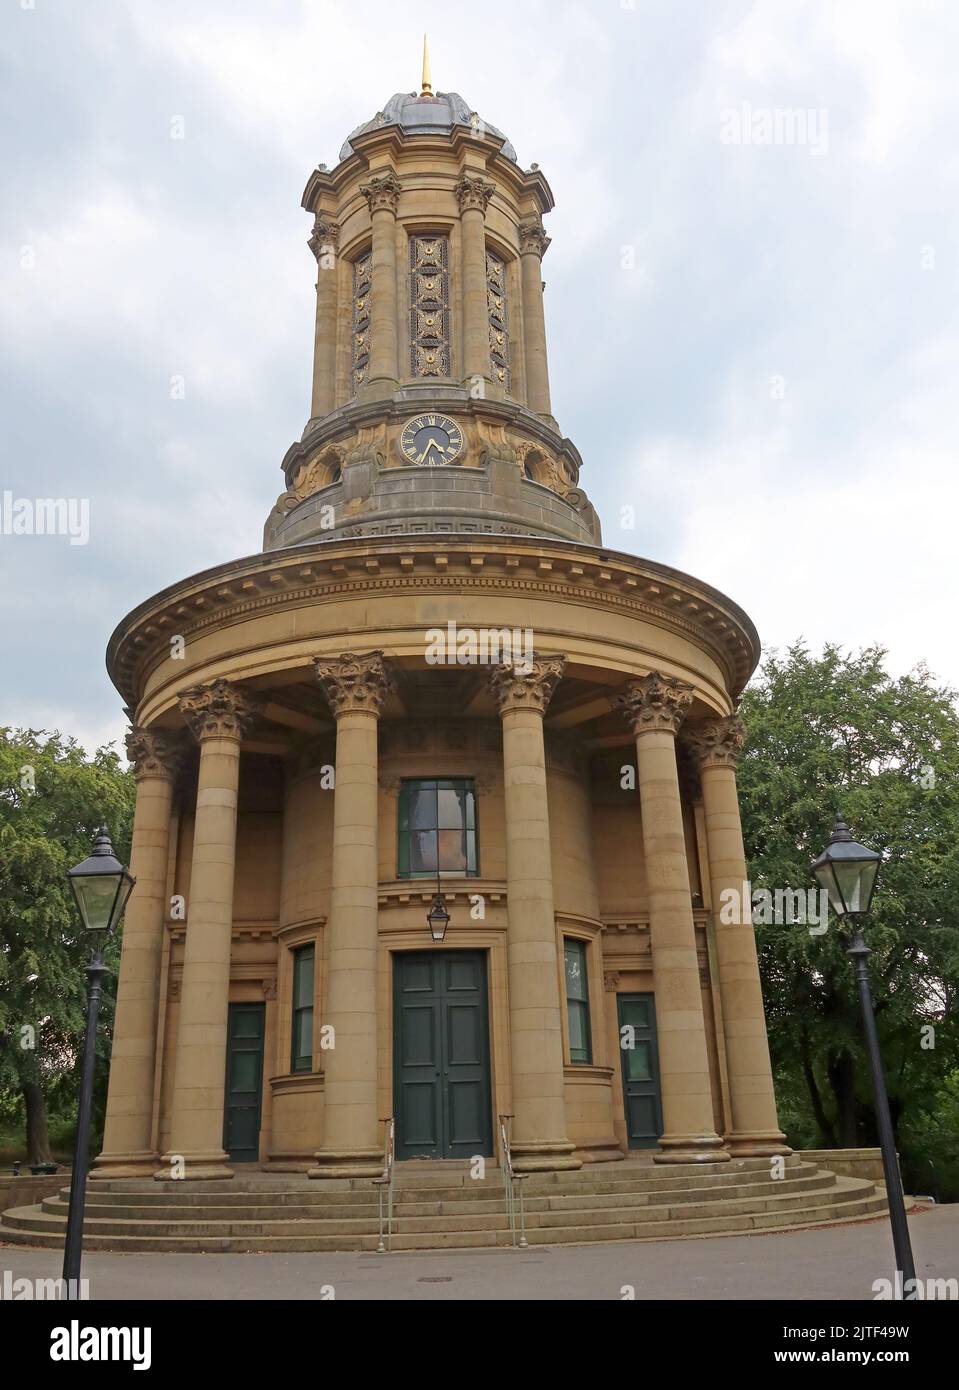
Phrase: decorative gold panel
pixel 362 291
pixel 429 306
pixel 498 319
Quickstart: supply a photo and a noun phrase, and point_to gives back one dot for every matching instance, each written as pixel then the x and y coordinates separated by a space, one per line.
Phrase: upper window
pixel 301 1051
pixel 437 827
pixel 577 1001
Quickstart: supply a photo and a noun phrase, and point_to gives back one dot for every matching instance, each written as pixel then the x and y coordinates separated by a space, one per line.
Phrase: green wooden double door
pixel 441 1069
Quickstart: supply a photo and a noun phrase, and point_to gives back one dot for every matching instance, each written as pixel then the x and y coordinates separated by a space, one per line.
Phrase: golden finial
pixel 427 87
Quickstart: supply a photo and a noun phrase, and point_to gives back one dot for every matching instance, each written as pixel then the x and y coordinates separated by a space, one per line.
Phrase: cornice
pixel 393 142
pixel 316 572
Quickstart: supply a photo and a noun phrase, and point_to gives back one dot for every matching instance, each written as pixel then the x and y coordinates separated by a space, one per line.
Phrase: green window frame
pixel 301 1038
pixel 437 828
pixel 577 1001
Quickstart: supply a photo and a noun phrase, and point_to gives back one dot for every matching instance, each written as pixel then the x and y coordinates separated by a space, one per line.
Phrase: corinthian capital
pixel 656 703
pixel 532 238
pixel 382 192
pixel 219 710
pixel 154 753
pixel 325 235
pixel 472 191
pixel 526 684
pixel 716 742
pixel 354 682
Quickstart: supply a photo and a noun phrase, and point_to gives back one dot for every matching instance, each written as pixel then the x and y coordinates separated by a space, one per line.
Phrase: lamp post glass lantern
pixel 848 872
pixel 101 886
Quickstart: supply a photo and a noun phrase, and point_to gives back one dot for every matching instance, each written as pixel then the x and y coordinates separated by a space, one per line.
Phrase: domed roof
pixel 428 115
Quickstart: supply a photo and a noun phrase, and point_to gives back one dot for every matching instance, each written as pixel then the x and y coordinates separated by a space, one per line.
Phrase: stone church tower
pixel 434 673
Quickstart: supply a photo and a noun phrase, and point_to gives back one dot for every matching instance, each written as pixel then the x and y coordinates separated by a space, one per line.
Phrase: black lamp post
pixel 101 887
pixel 848 871
pixel 438 919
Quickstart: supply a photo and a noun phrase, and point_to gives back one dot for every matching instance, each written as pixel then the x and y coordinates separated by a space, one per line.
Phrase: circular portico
pixel 314 676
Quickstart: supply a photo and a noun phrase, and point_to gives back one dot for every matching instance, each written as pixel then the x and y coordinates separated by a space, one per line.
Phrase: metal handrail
pixel 384 1186
pixel 513 1185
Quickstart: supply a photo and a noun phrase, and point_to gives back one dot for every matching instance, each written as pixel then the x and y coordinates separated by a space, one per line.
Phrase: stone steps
pixel 638 1177
pixel 410 1203
pixel 637 1204
pixel 241 1223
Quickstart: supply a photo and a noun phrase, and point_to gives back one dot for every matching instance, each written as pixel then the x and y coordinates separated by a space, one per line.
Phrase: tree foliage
pixel 837 734
pixel 52 799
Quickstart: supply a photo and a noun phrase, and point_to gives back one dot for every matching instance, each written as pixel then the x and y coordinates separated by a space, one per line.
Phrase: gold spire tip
pixel 427 90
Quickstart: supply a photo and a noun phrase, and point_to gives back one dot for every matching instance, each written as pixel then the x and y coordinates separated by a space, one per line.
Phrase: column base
pixel 768 1144
pixel 347 1163
pixel 140 1164
pixel 212 1166
pixel 543 1156
pixel 691 1148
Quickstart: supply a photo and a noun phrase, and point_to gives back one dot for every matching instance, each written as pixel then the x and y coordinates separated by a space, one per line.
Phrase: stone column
pixel 383 195
pixel 533 242
pixel 127 1140
pixel 716 744
pixel 539 1137
pixel 324 243
pixel 654 708
pixel 219 715
pixel 473 194
pixel 356 687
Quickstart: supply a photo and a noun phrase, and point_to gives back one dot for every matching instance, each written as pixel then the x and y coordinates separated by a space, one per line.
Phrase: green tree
pixel 836 734
pixel 52 799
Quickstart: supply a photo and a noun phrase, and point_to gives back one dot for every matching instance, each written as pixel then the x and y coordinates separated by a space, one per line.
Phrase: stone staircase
pixel 439 1206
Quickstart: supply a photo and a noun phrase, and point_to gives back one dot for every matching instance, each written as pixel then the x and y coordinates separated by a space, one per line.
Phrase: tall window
pixel 577 1001
pixel 437 827
pixel 301 1058
pixel 429 306
pixel 498 319
pixel 362 290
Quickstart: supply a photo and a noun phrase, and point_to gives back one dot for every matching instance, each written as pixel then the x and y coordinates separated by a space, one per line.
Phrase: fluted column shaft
pixel 219 715
pixel 533 244
pixel 655 707
pixel 539 1135
pixel 127 1141
pixel 355 687
pixel 324 243
pixel 755 1127
pixel 473 194
pixel 382 194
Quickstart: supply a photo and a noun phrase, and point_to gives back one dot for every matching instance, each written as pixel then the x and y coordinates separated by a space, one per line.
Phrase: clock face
pixel 430 440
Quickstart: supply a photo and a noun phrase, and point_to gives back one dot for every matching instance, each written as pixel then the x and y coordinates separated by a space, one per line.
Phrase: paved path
pixel 838 1264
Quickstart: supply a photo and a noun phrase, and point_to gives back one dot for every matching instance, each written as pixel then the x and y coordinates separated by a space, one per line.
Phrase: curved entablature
pixel 613 613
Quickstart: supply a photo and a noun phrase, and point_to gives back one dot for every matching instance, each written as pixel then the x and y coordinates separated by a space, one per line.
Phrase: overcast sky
pixel 755 345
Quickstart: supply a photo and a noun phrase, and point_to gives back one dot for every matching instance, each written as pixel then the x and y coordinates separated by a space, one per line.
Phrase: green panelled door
pixel 244 1082
pixel 441 1074
pixel 644 1111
